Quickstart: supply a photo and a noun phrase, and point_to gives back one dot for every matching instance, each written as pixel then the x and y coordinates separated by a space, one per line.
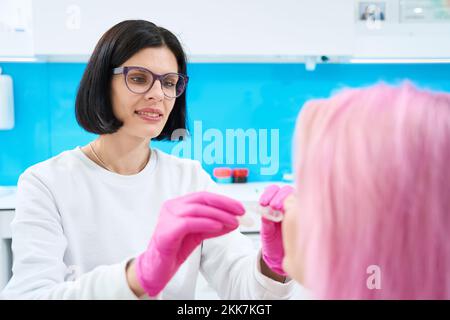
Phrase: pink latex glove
pixel 271 239
pixel 183 224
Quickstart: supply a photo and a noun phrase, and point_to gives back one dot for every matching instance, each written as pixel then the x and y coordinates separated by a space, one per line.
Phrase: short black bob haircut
pixel 93 105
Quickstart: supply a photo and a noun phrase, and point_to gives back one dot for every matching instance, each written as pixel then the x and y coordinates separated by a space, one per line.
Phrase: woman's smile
pixel 150 114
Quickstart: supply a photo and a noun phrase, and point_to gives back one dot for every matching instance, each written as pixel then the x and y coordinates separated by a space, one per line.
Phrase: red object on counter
pixel 240 175
pixel 222 172
pixel 223 175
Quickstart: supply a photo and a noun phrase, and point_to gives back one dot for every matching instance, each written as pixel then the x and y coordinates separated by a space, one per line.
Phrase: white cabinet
pixel 208 29
pixel 6 217
pixel 234 30
pixel 7 205
pixel 411 29
pixel 69 28
pixel 16 38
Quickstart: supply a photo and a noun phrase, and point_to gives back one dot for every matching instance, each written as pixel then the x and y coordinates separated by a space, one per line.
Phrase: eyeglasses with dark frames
pixel 140 80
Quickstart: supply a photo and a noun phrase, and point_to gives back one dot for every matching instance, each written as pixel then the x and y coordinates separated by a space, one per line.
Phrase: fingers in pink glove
pixel 201 229
pixel 273 202
pixel 217 201
pixel 277 202
pixel 268 194
pixel 206 228
pixel 203 211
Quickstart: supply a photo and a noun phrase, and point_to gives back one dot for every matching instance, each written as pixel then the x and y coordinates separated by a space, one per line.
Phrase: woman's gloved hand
pixel 271 238
pixel 183 224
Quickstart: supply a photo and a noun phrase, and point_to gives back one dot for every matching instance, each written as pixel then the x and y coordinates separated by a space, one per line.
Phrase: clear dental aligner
pixel 266 212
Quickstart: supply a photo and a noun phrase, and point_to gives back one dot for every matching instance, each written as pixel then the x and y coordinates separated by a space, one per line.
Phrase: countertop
pixel 8 198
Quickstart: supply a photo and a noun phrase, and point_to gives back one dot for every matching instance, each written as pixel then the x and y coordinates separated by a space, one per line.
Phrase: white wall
pixel 16 28
pixel 400 38
pixel 207 28
pixel 232 30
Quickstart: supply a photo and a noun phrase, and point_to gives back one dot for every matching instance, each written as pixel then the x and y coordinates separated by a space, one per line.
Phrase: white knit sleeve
pixel 39 245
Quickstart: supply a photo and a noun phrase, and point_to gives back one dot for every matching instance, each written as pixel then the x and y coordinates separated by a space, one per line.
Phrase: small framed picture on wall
pixel 372 11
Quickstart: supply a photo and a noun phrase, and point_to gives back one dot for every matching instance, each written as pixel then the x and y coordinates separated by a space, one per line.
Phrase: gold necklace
pixel 99 159
pixel 109 168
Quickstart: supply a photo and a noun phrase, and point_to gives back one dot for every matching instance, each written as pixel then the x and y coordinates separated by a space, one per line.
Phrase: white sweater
pixel 76 225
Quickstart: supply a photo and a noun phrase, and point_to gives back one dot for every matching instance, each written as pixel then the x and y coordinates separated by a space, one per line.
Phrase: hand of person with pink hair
pixel 271 238
pixel 183 224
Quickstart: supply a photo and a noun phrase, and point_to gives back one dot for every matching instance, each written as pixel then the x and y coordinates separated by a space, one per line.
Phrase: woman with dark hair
pixel 116 219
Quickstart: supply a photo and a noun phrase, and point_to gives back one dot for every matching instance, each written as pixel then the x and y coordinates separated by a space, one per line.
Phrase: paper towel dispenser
pixel 6 102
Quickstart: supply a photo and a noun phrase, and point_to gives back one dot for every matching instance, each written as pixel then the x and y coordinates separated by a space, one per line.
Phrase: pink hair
pixel 372 169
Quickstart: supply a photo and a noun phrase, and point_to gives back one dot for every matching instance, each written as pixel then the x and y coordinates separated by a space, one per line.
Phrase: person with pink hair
pixel 370 214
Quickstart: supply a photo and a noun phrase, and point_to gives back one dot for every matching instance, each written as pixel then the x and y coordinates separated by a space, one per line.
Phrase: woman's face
pixel 290 242
pixel 144 115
